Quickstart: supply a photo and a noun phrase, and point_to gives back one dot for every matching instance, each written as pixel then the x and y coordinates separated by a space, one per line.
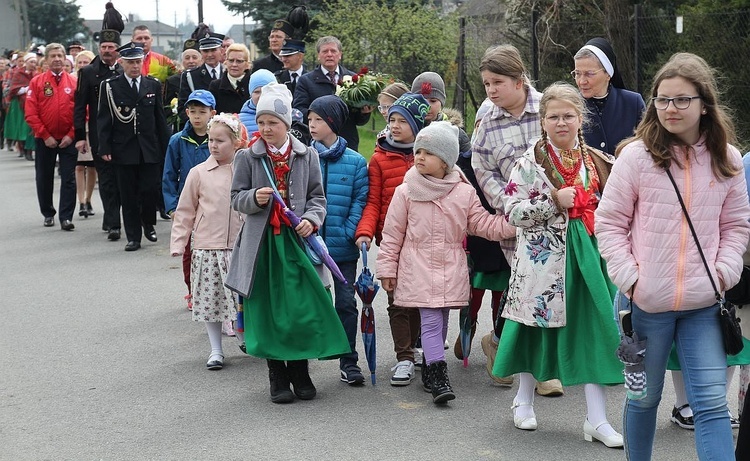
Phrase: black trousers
pixel 743 437
pixel 109 192
pixel 44 164
pixel 138 185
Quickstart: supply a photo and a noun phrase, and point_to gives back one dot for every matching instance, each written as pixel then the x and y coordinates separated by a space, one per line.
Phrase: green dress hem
pixel 584 350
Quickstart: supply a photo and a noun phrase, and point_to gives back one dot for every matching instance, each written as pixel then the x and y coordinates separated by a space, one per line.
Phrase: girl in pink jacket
pixel 204 215
pixel 652 256
pixel 421 256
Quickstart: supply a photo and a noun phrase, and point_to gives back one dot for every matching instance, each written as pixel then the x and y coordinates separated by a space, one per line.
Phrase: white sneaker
pixel 403 373
pixel 418 358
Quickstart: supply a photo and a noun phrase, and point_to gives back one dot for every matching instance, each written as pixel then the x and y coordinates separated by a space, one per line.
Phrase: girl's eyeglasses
pixel 680 102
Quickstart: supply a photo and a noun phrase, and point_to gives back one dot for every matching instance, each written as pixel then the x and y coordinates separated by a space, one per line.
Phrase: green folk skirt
pixel 289 314
pixel 743 358
pixel 16 128
pixel 583 351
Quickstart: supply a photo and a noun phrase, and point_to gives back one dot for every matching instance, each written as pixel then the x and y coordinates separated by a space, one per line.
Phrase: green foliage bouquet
pixel 362 89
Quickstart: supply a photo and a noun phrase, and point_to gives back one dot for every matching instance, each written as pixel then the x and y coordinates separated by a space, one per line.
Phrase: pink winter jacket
pixel 422 246
pixel 644 237
pixel 204 210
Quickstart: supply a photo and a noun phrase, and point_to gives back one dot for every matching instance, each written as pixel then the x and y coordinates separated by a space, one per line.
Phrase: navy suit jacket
pixel 129 143
pixel 621 114
pixel 315 84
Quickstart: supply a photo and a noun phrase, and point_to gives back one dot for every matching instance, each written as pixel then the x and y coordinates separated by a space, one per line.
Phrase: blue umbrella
pixel 366 290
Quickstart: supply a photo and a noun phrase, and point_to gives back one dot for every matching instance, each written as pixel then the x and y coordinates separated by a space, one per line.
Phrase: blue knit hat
pixel 414 108
pixel 331 109
pixel 259 78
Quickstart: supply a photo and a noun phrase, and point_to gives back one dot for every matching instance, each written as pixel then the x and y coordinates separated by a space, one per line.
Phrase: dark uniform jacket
pixel 229 99
pixel 143 140
pixel 622 112
pixel 270 62
pixel 315 84
pixel 201 78
pixel 285 78
pixel 87 97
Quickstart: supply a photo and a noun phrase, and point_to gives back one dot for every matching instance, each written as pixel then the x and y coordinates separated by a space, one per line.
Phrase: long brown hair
pixel 716 124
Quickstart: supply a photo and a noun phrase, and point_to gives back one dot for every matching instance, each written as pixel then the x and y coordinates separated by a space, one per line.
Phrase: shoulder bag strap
pixel 719 299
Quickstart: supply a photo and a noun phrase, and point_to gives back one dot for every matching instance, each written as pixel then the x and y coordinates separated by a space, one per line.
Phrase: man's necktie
pixel 294 77
pixel 213 74
pixel 134 86
pixel 332 77
pixel 58 77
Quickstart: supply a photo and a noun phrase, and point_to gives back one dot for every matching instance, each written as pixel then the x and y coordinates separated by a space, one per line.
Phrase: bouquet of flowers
pixel 362 89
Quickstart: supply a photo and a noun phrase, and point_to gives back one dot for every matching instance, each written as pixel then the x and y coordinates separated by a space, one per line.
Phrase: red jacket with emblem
pixel 49 106
pixel 386 172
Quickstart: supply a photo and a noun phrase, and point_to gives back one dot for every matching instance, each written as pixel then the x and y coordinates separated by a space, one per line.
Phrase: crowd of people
pixel 564 204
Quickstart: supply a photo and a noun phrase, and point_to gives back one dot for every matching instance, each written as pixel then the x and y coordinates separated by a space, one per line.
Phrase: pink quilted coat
pixel 422 244
pixel 644 237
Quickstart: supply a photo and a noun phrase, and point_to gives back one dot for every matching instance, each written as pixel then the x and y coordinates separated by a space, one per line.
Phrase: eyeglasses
pixel 567 118
pixel 680 102
pixel 577 74
pixel 383 108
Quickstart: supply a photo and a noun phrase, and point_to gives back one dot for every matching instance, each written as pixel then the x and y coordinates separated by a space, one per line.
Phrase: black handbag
pixel 730 325
pixel 740 294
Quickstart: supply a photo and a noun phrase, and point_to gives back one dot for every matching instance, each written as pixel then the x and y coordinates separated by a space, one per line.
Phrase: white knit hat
pixel 275 99
pixel 439 139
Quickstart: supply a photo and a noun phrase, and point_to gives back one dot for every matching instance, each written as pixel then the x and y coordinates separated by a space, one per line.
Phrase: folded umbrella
pixel 631 352
pixel 315 245
pixel 366 289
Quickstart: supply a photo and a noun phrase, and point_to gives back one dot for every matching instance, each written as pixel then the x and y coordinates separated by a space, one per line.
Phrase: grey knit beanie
pixel 429 85
pixel 439 139
pixel 275 99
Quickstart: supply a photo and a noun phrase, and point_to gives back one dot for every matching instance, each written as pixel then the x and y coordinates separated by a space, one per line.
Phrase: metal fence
pixel 642 42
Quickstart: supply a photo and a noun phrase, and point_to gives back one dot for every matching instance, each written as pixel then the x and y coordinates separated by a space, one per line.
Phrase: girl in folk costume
pixel 204 216
pixel 421 258
pixel 288 311
pixel 559 302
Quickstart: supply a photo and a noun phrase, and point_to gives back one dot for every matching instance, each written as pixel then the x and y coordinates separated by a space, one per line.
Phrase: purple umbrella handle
pixel 325 257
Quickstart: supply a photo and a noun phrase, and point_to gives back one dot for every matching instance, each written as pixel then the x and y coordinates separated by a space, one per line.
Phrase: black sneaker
pixel 352 375
pixel 685 422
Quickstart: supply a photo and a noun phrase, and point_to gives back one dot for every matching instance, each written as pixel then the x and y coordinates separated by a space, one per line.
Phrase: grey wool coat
pixel 305 193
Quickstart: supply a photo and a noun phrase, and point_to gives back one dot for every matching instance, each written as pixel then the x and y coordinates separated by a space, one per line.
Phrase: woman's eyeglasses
pixel 680 102
pixel 577 74
pixel 383 108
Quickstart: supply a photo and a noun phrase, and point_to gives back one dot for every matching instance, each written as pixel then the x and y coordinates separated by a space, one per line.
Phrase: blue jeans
pixel 700 348
pixel 346 308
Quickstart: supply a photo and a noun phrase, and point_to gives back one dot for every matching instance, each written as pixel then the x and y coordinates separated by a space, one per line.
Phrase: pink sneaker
pixel 226 328
pixel 189 299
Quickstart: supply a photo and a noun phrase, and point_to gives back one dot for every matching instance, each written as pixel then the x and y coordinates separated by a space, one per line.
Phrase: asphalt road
pixel 100 360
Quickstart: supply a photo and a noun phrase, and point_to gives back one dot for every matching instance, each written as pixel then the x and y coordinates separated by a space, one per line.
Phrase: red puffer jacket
pixel 386 172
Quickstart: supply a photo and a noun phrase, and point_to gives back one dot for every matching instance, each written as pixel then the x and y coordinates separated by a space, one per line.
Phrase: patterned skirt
pixel 583 351
pixel 212 301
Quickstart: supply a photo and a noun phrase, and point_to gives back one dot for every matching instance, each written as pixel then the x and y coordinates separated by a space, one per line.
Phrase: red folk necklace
pixel 569 175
